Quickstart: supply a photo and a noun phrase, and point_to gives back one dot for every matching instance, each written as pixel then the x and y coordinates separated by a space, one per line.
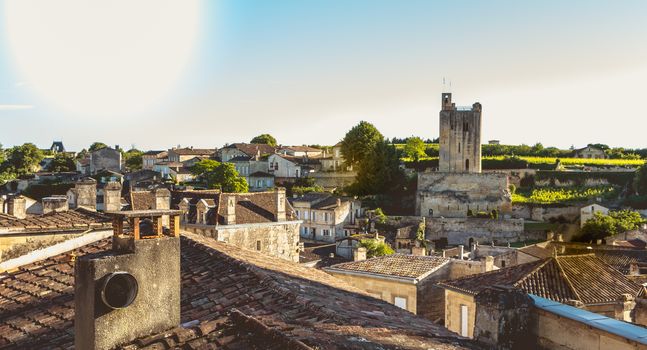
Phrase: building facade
pixel 326 217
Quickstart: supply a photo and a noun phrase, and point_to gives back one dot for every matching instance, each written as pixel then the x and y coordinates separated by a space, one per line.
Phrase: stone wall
pixel 461 230
pixel 279 239
pixel 105 159
pixel 333 179
pixel 453 304
pixel 454 194
pixel 540 213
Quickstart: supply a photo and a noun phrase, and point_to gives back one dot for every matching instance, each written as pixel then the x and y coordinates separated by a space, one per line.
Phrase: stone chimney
pixel 359 254
pixel 280 204
pixel 55 204
pixel 460 251
pixel 112 196
pixel 634 270
pixel 163 201
pixel 132 291
pixel 488 264
pixel 86 193
pixel 418 251
pixel 503 318
pixel 559 237
pixel 230 210
pixel 550 235
pixel 17 206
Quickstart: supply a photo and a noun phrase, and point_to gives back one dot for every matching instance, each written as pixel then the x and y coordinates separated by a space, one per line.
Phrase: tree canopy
pixel 97 146
pixel 601 225
pixel 133 159
pixel 415 148
pixel 378 172
pixel 62 162
pixel 22 160
pixel 360 142
pixel 375 248
pixel 264 139
pixel 222 176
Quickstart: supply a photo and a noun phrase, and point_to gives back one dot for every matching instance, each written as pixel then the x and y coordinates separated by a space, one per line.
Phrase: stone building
pixel 261 221
pixel 245 150
pixel 178 155
pixel 590 152
pixel 459 186
pixel 334 161
pixel 581 280
pixel 150 158
pixel 460 137
pixel 327 217
pixel 588 212
pixel 83 194
pixel 105 159
pixel 285 167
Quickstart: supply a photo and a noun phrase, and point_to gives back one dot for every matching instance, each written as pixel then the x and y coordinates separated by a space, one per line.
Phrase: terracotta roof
pixel 256 207
pixel 568 277
pixel 193 151
pixel 301 160
pixel 537 251
pixel 620 258
pixel 231 298
pixel 79 218
pixel 142 200
pixel 319 200
pixel 156 153
pixel 252 149
pixel 302 149
pixel 398 265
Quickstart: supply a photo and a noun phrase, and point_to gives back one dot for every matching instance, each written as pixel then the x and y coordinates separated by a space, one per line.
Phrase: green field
pixel 553 195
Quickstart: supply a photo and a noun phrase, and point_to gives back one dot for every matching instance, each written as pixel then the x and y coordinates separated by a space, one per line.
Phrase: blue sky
pixel 560 73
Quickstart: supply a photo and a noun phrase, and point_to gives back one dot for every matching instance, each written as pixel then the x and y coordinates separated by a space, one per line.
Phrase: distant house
pixel 406 281
pixel 151 157
pixel 165 168
pixel 301 151
pixel 250 150
pixel 494 142
pixel 261 221
pixel 105 159
pixel 57 147
pixel 176 155
pixel 587 212
pixel 260 181
pixel 582 280
pixel 286 167
pixel 334 160
pixel 327 217
pixel 590 152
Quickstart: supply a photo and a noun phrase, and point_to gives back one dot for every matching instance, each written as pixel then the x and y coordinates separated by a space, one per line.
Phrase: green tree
pixel 360 142
pixel 626 220
pixel 601 225
pixel 378 172
pixel 640 180
pixel 379 216
pixel 97 146
pixel 22 159
pixel 414 148
pixel 133 159
pixel 62 162
pixel 221 176
pixel 2 156
pixel 375 248
pixel 264 139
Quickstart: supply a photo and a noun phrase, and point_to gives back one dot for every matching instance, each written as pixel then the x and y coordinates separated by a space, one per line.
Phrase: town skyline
pixel 293 70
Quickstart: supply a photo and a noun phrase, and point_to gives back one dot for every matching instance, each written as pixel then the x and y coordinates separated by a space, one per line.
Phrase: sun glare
pixel 113 58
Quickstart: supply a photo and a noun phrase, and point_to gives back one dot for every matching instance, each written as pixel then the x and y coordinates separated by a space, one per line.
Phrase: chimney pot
pixel 359 254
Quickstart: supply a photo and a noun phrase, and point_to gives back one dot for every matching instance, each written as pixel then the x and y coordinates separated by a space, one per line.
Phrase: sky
pixel 160 73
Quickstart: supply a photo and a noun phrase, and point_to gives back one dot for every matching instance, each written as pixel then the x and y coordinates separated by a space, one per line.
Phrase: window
pixel 298 214
pixel 400 302
pixel 314 216
pixel 464 315
pixel 306 215
pixel 326 232
pixel 258 245
pixel 502 263
pixel 326 216
pixel 459 147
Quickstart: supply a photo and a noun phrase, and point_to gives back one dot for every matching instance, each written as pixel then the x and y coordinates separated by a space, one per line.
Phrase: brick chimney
pixel 112 196
pixel 54 204
pixel 230 210
pixel 359 254
pixel 17 206
pixel 280 204
pixel 131 291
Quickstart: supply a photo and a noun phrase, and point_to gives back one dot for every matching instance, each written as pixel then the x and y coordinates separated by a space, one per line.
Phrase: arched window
pixel 467 165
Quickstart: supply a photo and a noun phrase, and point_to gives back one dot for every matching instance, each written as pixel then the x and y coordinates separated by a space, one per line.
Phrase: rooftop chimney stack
pixel 112 196
pixel 54 204
pixel 17 206
pixel 230 211
pixel 280 204
pixel 132 291
pixel 359 254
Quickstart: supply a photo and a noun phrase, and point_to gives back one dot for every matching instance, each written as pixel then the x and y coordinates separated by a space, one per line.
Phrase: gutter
pixel 56 249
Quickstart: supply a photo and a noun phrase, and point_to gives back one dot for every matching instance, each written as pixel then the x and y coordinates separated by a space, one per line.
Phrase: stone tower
pixel 460 137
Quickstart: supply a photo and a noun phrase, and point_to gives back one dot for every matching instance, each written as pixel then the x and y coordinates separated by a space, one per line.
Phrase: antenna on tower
pixel 444 87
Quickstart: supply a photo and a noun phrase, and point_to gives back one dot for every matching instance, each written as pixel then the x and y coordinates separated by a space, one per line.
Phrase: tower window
pixel 467 165
pixel 459 147
pixel 465 127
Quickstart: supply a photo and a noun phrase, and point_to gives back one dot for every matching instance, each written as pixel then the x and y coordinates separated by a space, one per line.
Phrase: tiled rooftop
pixel 398 265
pixel 252 149
pixel 231 299
pixel 568 277
pixel 55 221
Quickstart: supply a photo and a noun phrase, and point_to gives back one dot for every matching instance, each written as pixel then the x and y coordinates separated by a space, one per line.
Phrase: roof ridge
pixel 568 280
pixel 532 272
